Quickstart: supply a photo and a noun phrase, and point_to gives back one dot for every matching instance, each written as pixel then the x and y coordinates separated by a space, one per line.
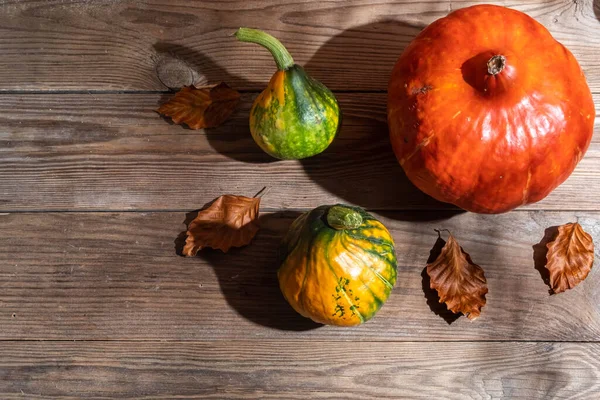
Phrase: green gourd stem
pixel 282 57
pixel 341 217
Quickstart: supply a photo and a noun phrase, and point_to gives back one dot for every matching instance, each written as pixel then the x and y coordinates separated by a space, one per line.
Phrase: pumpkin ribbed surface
pixel 295 116
pixel 337 276
pixel 487 111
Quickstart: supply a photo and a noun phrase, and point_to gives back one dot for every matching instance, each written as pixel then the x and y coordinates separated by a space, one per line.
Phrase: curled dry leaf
pixel 459 282
pixel 203 107
pixel 570 257
pixel 231 221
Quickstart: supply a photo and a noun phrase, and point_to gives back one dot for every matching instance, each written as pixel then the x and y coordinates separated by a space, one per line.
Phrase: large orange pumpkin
pixel 487 111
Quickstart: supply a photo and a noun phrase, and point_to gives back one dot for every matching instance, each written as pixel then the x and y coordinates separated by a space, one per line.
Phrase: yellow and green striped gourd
pixel 296 116
pixel 339 265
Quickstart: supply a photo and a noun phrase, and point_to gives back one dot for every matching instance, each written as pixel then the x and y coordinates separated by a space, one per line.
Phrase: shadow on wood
pixel 597 9
pixel 179 66
pixel 421 215
pixel 359 167
pixel 248 275
pixel 539 255
pixel 344 53
pixel 433 299
pixel 362 169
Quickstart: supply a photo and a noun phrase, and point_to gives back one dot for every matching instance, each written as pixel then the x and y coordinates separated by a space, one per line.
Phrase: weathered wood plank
pixel 116 276
pixel 113 152
pixel 297 370
pixel 121 45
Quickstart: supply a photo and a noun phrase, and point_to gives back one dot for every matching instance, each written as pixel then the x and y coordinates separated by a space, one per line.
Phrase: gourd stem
pixel 496 64
pixel 342 217
pixel 282 57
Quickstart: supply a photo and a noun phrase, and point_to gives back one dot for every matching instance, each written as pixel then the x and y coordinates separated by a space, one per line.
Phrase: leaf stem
pixel 439 231
pixel 262 192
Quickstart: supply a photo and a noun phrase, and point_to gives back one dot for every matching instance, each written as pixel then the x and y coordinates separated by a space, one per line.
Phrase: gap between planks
pixel 291 341
pixel 166 91
pixel 274 210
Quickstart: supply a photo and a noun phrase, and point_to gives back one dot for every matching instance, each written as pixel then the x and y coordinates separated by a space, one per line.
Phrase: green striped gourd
pixel 296 116
pixel 339 265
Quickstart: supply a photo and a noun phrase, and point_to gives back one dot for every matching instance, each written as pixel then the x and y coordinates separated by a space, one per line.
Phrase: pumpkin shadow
pixel 178 66
pixel 539 255
pixel 248 275
pixel 359 167
pixel 431 295
pixel 596 7
pixel 418 216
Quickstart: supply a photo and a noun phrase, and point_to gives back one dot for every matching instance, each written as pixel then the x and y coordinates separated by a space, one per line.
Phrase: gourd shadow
pixel 596 7
pixel 248 275
pixel 178 66
pixel 360 167
pixel 539 255
pixel 433 299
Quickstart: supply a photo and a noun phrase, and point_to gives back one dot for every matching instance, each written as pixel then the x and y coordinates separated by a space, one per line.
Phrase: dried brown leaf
pixel 570 257
pixel 204 107
pixel 459 282
pixel 231 221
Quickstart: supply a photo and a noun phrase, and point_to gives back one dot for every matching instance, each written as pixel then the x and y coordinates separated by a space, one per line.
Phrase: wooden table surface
pixel 96 188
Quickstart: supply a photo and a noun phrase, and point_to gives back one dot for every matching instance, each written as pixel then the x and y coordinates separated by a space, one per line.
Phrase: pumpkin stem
pixel 496 64
pixel 282 57
pixel 341 217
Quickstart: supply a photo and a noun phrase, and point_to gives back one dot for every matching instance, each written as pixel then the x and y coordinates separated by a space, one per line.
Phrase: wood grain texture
pixel 116 276
pixel 151 44
pixel 156 325
pixel 297 370
pixel 113 152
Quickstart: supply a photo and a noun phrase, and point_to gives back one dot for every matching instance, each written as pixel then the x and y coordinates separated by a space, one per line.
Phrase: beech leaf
pixel 570 257
pixel 231 221
pixel 204 107
pixel 460 283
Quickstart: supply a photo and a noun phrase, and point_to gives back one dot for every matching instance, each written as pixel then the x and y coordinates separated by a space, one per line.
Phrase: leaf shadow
pixel 361 166
pixel 248 275
pixel 539 255
pixel 231 139
pixel 433 299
